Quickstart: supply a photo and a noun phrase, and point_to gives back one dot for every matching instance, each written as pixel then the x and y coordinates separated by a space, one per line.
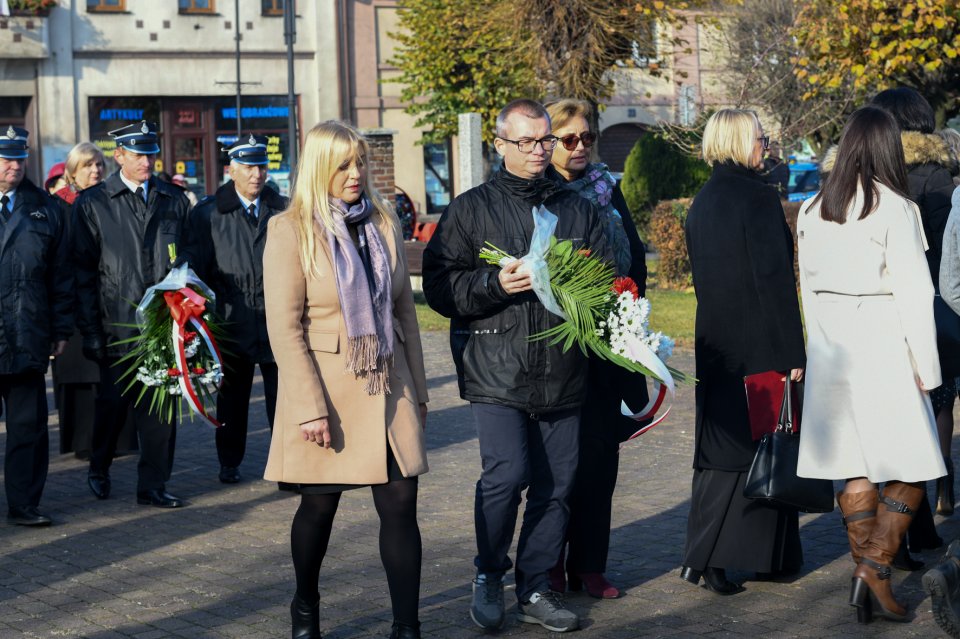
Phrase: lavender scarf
pixel 366 302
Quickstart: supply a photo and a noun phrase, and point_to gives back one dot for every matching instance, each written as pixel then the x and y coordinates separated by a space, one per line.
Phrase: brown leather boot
pixel 871 579
pixel 859 514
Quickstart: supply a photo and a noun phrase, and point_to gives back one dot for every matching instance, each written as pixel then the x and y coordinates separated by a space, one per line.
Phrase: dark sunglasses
pixel 764 140
pixel 571 141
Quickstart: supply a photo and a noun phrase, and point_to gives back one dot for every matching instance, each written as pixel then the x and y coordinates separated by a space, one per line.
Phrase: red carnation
pixel 623 284
pixel 188 336
pixel 199 370
pixel 173 372
pixel 584 252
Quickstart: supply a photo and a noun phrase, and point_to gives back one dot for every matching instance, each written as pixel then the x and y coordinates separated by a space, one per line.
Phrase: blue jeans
pixel 522 451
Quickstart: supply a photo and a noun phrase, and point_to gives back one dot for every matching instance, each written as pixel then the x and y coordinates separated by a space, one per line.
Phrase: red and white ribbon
pixel 186 306
pixel 663 386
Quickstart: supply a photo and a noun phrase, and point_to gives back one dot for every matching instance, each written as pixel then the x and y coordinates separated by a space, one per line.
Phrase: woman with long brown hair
pixel 871 351
pixel 351 402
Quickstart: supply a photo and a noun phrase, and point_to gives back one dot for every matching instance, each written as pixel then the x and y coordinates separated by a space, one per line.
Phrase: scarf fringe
pixel 364 361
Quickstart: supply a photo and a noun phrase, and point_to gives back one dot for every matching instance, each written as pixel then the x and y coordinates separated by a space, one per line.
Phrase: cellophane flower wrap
pixel 176 358
pixel 602 314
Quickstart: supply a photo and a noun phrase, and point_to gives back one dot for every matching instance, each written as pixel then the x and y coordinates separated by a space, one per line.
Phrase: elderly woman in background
pixel 352 395
pixel 748 322
pixel 602 426
pixel 872 353
pixel 75 377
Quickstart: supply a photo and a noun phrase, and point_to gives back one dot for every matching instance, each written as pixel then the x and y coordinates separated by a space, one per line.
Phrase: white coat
pixel 868 309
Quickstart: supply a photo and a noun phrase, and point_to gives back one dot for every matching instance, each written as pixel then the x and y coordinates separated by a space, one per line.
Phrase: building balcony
pixel 24 37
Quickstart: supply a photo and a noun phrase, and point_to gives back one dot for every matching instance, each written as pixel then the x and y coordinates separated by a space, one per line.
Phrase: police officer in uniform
pixel 122 232
pixel 223 243
pixel 35 321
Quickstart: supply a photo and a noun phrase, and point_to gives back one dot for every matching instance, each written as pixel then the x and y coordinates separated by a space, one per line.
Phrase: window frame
pixel 275 12
pixel 98 6
pixel 193 10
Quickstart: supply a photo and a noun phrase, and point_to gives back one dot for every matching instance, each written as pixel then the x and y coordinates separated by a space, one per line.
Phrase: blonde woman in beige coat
pixel 871 351
pixel 352 391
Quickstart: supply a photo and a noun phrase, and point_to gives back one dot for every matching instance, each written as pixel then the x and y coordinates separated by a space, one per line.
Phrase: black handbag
pixel 773 474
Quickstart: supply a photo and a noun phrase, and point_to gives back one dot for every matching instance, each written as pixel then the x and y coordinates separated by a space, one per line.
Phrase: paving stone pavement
pixel 221 566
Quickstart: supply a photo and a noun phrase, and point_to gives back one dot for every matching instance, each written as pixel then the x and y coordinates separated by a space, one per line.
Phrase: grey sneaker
pixel 486 610
pixel 547 609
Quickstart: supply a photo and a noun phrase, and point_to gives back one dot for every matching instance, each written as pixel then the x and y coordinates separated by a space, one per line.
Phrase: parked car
pixel 804 181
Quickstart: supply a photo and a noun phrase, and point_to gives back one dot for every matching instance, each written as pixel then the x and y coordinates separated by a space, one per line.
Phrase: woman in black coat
pixel 748 321
pixel 930 183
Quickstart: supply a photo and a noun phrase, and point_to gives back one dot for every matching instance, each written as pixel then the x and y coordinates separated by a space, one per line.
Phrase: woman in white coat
pixel 871 350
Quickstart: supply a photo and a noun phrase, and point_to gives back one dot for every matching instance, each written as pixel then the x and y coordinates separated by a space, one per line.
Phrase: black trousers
pixel 522 451
pixel 157 437
pixel 591 501
pixel 233 406
pixel 28 443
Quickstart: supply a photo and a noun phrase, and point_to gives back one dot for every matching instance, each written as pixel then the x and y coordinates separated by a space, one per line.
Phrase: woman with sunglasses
pixel 602 427
pixel 748 322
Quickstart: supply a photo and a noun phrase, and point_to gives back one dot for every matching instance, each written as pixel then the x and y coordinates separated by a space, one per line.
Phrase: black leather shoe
pixel 689 574
pixel 99 484
pixel 403 631
pixel 715 580
pixel 26 516
pixel 230 475
pixel 159 498
pixel 305 619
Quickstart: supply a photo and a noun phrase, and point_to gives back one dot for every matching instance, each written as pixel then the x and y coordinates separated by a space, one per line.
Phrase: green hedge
pixel 657 170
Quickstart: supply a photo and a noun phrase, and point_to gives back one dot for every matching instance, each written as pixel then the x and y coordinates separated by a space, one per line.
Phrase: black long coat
pixel 224 247
pixel 748 314
pixel 36 304
pixel 121 248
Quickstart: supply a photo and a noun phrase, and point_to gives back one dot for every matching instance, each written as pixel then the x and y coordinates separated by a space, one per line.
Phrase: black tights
pixel 400 546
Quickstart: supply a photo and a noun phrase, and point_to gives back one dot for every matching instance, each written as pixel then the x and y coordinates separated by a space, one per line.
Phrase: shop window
pixel 106 5
pixel 197 6
pixel 436 176
pixel 273 7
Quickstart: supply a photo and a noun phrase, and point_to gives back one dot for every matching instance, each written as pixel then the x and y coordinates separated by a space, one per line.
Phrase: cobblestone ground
pixel 221 567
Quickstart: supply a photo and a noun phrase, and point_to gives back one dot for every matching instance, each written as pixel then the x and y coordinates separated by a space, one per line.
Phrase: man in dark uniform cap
pixel 35 321
pixel 122 233
pixel 223 242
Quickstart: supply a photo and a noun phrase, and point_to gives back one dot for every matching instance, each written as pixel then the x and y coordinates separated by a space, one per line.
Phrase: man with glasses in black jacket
pixel 525 395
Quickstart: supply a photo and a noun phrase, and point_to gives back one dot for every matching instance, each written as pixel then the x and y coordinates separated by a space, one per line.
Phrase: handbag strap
pixel 785 421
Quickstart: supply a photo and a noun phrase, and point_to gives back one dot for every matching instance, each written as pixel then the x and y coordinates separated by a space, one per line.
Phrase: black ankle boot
pixel 715 580
pixel 403 631
pixel 305 618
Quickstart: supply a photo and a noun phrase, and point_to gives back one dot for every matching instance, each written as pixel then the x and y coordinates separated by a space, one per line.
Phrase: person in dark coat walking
pixel 35 321
pixel 931 186
pixel 602 425
pixel 223 242
pixel 525 395
pixel 748 322
pixel 123 232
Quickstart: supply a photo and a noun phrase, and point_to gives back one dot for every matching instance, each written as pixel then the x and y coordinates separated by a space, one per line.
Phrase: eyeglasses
pixel 765 141
pixel 571 141
pixel 527 145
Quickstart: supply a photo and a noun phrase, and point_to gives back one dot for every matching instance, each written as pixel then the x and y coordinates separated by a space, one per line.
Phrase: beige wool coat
pixel 309 339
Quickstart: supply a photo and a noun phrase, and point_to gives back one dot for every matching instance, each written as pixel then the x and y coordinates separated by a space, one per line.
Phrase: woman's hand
pixel 796 375
pixel 423 416
pixel 317 431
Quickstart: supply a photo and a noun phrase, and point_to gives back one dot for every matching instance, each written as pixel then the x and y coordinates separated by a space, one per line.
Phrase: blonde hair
pixel 562 111
pixel 78 157
pixel 326 147
pixel 730 135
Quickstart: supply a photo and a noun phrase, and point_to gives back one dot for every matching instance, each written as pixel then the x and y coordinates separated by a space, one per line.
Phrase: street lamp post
pixel 290 36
